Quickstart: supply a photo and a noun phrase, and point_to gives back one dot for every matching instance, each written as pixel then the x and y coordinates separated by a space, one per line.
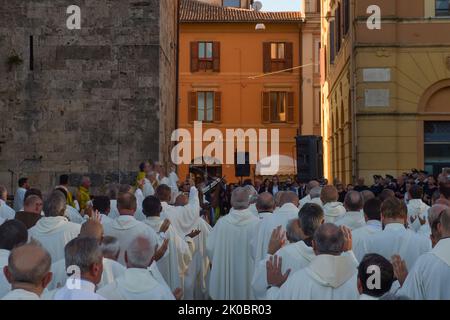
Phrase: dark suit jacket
pixel 28 218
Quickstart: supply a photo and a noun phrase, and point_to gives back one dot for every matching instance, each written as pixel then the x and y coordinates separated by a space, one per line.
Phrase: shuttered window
pixel 277 56
pixel 205 106
pixel 278 107
pixel 205 55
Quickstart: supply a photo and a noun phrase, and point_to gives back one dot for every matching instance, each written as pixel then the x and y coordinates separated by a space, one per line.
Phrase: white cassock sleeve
pixel 259 280
pixel 148 189
pixel 413 288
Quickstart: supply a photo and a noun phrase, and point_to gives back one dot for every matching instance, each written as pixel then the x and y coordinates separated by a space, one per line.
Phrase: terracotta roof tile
pixel 193 11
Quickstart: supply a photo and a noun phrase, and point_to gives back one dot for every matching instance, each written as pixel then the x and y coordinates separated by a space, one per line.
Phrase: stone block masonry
pixel 93 101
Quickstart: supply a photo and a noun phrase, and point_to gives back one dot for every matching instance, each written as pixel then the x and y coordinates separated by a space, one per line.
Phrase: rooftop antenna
pixel 257 6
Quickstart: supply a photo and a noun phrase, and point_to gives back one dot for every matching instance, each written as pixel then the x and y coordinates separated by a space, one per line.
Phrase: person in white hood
pixel 332 208
pixel 126 228
pixel 139 282
pixel 280 217
pixel 296 255
pixel 309 186
pixel 28 272
pixel 54 230
pixel 228 247
pixel 331 275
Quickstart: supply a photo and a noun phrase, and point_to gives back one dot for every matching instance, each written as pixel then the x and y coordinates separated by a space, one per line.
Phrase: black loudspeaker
pixel 242 170
pixel 309 158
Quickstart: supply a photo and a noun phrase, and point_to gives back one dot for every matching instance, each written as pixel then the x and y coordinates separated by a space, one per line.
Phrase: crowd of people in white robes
pixel 150 242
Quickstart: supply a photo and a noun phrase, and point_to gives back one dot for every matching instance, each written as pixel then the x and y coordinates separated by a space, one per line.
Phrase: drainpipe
pixel 353 75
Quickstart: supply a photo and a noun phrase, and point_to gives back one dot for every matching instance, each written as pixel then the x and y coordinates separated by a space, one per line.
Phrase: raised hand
pixel 277 240
pixel 275 278
pixel 165 226
pixel 400 269
pixel 348 241
pixel 178 293
pixel 159 252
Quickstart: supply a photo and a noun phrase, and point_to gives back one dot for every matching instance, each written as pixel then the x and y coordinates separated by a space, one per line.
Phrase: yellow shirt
pixel 83 197
pixel 70 201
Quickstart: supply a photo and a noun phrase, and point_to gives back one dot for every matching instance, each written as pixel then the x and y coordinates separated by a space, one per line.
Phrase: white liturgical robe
pixel 360 235
pixel 295 256
pixel 417 208
pixel 352 219
pixel 180 255
pixel 429 279
pixel 113 212
pixel 20 294
pixel 137 284
pixel 280 217
pixel 229 249
pixel 326 278
pixel 395 239
pixel 111 271
pixel 54 233
pixel 85 292
pixel 126 229
pixel 148 189
pixel 73 215
pixel 183 218
pixel 333 211
pixel 6 212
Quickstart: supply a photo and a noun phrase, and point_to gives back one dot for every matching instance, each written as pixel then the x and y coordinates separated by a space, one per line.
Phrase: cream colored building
pixel 386 92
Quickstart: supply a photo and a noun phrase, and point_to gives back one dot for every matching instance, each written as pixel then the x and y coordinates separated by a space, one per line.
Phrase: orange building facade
pixel 231 77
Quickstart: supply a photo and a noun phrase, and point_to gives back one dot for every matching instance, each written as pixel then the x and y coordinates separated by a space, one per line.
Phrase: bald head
pixel 353 201
pixel 265 202
pixel 181 200
pixel 139 253
pixel 33 204
pixel 92 229
pixel 329 194
pixel 289 197
pixel 328 239
pixel 240 199
pixel 126 203
pixel 28 264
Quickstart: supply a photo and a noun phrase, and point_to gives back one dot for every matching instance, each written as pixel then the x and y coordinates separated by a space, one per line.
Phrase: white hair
pixel 315 192
pixel 110 246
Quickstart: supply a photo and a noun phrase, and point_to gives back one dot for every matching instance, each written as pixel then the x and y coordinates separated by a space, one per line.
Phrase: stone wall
pixel 96 99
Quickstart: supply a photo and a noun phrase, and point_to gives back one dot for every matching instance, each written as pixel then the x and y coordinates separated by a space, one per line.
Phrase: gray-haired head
pixel 29 264
pixel 367 195
pixel 291 232
pixel 328 239
pixel 83 252
pixel 55 205
pixel 434 214
pixel 311 185
pixel 110 247
pixel 139 253
pixel 353 201
pixel 240 199
pixel 265 202
pixel 315 192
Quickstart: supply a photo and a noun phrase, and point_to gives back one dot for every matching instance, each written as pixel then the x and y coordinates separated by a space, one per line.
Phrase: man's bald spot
pixel 126 201
pixel 289 197
pixel 92 229
pixel 329 194
pixel 29 263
